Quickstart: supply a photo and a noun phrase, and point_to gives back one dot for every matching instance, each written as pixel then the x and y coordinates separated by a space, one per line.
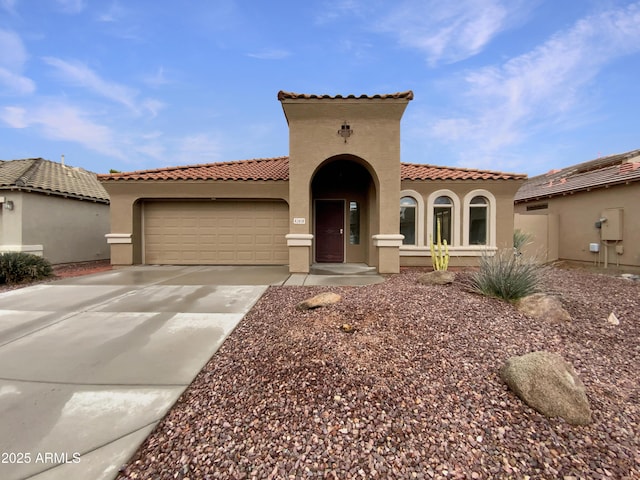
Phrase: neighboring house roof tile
pixel 278 169
pixel 602 172
pixel 282 95
pixel 44 176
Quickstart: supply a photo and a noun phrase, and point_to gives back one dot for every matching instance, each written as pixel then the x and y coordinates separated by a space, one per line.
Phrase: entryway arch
pixel 343 198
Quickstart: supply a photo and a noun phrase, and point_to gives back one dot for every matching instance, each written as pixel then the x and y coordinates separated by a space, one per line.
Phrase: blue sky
pixel 513 85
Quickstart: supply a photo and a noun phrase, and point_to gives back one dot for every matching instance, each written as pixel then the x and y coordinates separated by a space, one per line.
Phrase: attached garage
pixel 219 232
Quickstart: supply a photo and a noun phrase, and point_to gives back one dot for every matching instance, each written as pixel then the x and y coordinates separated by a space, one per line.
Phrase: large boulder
pixel 548 384
pixel 543 306
pixel 320 300
pixel 437 277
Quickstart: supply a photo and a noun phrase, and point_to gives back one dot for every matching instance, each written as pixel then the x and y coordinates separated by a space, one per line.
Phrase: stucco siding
pixel 577 214
pixel 69 230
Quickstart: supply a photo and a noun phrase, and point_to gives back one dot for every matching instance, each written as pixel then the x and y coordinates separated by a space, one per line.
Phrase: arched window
pixel 478 220
pixel 408 207
pixel 479 225
pixel 443 214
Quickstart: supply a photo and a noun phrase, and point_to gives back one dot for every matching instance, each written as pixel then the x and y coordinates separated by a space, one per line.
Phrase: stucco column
pixel 388 246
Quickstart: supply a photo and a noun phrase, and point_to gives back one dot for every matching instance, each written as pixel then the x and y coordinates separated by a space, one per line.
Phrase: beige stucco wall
pixel 63 230
pixel 499 192
pixel 375 143
pixel 543 231
pixel 126 198
pixel 577 214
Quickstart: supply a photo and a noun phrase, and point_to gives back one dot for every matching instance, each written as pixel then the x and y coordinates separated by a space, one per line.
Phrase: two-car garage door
pixel 215 232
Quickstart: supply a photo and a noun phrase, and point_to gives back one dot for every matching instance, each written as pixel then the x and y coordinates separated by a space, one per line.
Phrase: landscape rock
pixel 548 384
pixel 321 300
pixel 437 277
pixel 612 319
pixel 543 306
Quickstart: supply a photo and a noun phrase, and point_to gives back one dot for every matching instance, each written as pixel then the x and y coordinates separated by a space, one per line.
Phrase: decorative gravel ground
pixel 412 393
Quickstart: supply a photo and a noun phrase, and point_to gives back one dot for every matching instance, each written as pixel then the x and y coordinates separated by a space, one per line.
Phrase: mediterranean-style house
pixel 587 212
pixel 342 195
pixel 52 210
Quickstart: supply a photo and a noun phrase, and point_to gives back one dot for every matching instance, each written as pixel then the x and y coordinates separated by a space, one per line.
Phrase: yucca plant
pixel 520 239
pixel 16 267
pixel 506 275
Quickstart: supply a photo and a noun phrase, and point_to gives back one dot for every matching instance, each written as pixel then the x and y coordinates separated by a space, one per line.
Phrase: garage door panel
pixel 215 232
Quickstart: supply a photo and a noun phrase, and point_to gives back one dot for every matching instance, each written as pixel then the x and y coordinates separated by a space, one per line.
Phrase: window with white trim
pixel 443 214
pixel 479 226
pixel 478 220
pixel 408 216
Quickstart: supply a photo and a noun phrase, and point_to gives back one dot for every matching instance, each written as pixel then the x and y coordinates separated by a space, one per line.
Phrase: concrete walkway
pixel 90 365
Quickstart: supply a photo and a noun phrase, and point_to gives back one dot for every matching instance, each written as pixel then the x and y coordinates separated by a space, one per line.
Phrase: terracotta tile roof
pixel 601 172
pixel 278 169
pixel 256 169
pixel 282 95
pixel 418 171
pixel 39 175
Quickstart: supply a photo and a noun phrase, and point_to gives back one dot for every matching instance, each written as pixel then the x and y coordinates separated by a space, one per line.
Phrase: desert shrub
pixel 520 239
pixel 507 275
pixel 16 267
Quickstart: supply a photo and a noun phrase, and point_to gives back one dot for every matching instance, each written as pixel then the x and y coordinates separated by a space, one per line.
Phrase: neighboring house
pixel 342 195
pixel 588 212
pixel 53 210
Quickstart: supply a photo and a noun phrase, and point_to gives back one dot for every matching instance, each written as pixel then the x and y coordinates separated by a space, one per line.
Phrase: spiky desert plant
pixel 439 252
pixel 520 239
pixel 506 275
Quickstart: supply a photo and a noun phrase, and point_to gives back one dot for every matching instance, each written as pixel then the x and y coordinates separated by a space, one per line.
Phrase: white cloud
pixel 13 57
pixel 80 75
pixel 60 121
pixel 8 5
pixel 505 104
pixel 15 117
pixel 270 54
pixel 16 84
pixel 71 6
pixel 199 148
pixel 448 32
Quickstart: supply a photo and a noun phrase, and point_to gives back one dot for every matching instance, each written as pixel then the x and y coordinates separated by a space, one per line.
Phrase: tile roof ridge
pixel 463 169
pixel 29 172
pixel 284 95
pixel 190 166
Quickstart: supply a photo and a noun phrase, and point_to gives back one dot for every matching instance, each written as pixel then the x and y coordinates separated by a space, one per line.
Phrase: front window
pixel 478 221
pixel 443 214
pixel 408 220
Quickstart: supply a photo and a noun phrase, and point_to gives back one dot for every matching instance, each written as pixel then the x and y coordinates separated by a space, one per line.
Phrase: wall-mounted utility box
pixel 612 228
pixel 594 247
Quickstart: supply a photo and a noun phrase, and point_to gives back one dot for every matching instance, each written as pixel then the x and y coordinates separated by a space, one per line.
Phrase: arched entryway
pixel 343 196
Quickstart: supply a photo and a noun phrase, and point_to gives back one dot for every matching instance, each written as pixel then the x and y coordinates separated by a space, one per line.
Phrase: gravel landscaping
pixel 412 392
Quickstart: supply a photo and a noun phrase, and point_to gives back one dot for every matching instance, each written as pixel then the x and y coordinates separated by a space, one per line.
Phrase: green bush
pixel 17 267
pixel 507 275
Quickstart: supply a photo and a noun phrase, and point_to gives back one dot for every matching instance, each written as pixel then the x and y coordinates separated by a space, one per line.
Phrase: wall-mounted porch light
pixel 8 204
pixel 345 131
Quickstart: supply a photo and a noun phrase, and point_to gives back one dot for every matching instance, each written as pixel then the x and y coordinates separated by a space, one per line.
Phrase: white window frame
pixel 455 211
pixel 491 218
pixel 419 233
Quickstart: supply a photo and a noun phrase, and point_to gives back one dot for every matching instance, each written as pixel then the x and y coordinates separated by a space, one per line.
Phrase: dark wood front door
pixel 329 231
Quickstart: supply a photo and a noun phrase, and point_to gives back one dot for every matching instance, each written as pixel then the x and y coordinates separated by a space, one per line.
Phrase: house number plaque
pixel 299 221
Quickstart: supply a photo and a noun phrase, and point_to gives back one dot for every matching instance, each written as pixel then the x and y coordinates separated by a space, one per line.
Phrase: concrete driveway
pixel 90 365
